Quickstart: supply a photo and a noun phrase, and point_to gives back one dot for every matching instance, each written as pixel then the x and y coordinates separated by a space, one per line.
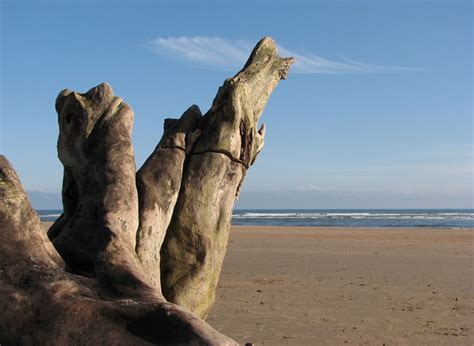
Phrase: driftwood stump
pixel 135 257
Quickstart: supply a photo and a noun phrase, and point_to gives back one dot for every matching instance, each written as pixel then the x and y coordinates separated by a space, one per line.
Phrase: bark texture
pixel 42 304
pixel 135 257
pixel 158 183
pixel 196 240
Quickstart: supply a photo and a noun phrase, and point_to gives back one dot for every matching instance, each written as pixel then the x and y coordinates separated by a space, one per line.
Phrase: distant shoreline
pixel 300 231
pixel 334 218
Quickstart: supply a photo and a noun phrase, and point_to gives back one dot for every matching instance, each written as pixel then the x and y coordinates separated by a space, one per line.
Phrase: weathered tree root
pixel 127 243
pixel 41 304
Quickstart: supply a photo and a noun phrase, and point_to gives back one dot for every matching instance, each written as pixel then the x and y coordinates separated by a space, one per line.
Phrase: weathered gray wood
pixel 41 304
pixel 100 283
pixel 158 184
pixel 21 240
pixel 195 243
pixel 98 229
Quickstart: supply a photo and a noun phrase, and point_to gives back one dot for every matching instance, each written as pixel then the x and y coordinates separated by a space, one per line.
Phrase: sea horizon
pixel 356 217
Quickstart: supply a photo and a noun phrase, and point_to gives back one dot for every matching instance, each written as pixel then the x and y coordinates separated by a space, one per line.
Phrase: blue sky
pixel 376 113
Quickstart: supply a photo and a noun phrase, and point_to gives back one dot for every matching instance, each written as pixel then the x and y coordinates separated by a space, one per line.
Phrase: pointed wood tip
pixel 266 50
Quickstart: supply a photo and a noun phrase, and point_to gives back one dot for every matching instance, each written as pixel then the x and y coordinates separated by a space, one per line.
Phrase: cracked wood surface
pixel 196 240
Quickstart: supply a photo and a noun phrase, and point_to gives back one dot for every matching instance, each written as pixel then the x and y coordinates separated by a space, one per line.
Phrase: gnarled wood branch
pixel 196 240
pixel 136 256
pixel 42 304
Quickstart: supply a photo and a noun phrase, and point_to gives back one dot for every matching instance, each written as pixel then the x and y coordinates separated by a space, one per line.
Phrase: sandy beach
pixel 335 286
pixel 316 286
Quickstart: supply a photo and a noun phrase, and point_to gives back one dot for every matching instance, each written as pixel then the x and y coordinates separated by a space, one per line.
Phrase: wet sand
pixel 335 286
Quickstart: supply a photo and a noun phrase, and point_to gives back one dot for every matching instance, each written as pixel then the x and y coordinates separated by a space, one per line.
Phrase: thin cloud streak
pixel 205 50
pixel 230 54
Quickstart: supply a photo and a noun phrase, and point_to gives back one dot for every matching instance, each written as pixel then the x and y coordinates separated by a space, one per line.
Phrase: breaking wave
pixel 356 218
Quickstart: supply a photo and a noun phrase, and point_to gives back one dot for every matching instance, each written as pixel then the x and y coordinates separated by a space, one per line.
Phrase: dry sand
pixel 333 286
pixel 336 286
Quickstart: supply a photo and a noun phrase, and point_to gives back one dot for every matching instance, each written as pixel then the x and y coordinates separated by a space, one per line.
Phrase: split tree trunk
pixel 135 256
pixel 196 240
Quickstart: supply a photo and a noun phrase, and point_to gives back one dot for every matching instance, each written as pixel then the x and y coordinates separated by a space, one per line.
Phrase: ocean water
pixel 456 218
pixel 48 214
pixel 453 218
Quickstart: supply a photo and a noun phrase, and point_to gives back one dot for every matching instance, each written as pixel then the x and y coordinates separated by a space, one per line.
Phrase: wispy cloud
pixel 201 49
pixel 224 53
